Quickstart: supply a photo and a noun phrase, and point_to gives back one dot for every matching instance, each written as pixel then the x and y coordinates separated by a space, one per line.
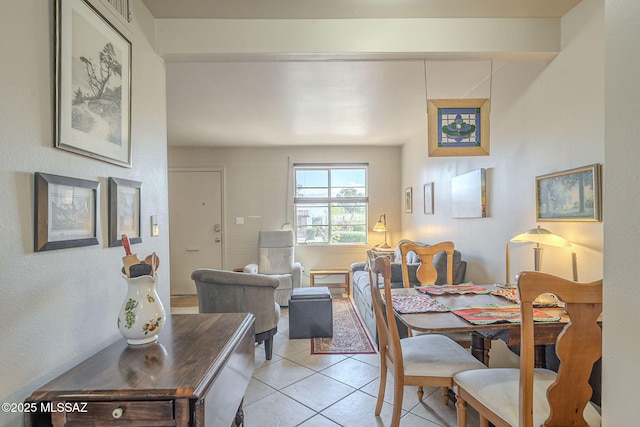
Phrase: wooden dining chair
pixel 527 397
pixel 427 275
pixel 425 360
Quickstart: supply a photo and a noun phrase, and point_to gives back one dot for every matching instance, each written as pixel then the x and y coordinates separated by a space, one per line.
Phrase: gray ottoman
pixel 310 313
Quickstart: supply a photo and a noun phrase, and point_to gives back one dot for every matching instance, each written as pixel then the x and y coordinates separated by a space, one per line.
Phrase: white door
pixel 195 225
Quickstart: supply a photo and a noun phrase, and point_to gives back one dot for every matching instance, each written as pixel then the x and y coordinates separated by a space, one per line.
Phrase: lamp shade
pixel 380 226
pixel 541 236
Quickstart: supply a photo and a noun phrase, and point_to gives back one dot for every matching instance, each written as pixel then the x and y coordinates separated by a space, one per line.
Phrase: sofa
pixel 362 289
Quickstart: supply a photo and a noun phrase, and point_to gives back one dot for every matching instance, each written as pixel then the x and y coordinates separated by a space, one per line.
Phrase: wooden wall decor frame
pixel 125 198
pixel 408 200
pixel 93 84
pixel 66 212
pixel 570 195
pixel 428 198
pixel 458 127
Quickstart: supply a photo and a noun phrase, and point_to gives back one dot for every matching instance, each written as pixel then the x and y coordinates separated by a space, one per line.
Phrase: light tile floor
pixel 296 388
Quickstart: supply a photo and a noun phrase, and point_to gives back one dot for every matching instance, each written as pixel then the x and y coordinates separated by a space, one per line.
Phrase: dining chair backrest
pixel 578 347
pixel 388 336
pixel 426 273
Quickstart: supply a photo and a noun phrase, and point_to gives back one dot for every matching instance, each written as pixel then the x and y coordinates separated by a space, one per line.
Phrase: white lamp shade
pixel 541 236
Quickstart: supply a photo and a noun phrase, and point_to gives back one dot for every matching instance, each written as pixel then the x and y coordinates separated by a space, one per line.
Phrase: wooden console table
pixel 331 272
pixel 196 374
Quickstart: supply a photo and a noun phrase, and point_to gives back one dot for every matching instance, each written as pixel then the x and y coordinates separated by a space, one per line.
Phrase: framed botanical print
pixel 93 84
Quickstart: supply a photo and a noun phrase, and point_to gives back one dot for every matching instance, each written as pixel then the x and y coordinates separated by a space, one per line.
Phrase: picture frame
pixel 124 211
pixel 570 195
pixel 65 212
pixel 408 200
pixel 458 127
pixel 469 195
pixel 428 198
pixel 93 84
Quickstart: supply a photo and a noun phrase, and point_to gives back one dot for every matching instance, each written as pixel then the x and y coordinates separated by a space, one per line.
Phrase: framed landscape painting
pixel 93 84
pixel 65 212
pixel 571 195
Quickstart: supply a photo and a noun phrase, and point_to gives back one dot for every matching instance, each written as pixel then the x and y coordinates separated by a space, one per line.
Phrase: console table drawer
pixel 118 411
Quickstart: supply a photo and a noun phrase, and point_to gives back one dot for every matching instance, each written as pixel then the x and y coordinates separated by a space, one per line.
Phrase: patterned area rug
pixel 349 336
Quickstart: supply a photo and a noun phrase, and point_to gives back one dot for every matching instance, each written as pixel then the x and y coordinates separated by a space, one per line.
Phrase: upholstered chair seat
pixel 498 390
pixel 435 356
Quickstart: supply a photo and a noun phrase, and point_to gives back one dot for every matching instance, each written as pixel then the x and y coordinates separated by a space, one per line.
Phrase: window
pixel 331 203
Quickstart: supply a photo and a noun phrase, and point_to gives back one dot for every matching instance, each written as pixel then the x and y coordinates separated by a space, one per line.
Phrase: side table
pixel 331 272
pixel 195 375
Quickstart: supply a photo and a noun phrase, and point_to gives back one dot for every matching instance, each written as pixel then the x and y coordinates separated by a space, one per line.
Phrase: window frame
pixel 330 200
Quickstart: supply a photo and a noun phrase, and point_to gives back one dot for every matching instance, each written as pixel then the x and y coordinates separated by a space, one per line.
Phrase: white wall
pixel 621 206
pixel 545 117
pixel 59 307
pixel 255 179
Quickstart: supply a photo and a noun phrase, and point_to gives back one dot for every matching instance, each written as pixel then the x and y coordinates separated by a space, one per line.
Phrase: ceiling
pixel 328 101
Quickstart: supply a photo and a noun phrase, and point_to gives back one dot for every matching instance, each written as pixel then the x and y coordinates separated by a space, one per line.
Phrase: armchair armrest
pixel 250 268
pixel 296 275
pixel 357 266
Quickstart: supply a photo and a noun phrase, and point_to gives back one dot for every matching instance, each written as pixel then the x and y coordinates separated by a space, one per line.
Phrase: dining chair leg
pixel 398 393
pixel 461 412
pixel 381 388
pixel 420 393
pixel 484 422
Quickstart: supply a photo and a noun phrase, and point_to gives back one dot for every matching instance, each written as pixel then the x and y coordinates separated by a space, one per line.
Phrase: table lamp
pixel 381 226
pixel 540 236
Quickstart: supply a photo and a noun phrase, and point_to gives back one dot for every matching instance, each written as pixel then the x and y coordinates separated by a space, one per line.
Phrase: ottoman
pixel 310 313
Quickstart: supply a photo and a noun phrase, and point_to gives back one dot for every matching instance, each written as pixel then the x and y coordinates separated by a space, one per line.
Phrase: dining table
pixel 546 332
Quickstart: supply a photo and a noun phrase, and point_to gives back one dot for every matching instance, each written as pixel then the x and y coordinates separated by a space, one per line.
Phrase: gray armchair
pixel 276 259
pixel 231 292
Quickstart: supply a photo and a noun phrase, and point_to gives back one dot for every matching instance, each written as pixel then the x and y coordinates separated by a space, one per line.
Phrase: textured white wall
pixel 621 345
pixel 59 307
pixel 545 117
pixel 255 179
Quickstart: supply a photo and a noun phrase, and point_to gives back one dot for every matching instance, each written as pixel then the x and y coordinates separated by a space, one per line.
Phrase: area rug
pixel 349 336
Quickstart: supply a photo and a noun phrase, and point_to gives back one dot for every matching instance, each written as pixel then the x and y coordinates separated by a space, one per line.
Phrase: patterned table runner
pixel 416 304
pixel 453 289
pixel 499 314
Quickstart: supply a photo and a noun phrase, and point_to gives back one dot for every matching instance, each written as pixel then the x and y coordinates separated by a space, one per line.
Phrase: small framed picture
pixel 408 200
pixel 124 211
pixel 428 198
pixel 65 212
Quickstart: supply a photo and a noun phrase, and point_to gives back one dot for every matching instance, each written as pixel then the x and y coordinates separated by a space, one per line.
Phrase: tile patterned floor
pixel 296 388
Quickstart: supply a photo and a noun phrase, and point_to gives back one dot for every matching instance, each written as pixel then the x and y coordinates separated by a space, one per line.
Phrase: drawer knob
pixel 117 413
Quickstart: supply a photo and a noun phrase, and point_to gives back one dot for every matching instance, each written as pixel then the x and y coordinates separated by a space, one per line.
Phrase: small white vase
pixel 142 314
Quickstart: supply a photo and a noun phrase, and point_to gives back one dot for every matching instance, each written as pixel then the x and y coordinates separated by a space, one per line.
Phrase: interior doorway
pixel 196 235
